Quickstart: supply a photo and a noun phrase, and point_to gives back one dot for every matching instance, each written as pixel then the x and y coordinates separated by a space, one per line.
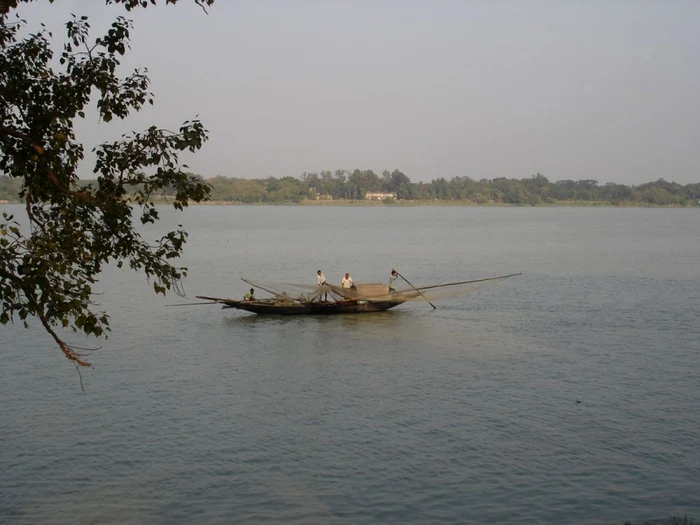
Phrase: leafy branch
pixel 48 272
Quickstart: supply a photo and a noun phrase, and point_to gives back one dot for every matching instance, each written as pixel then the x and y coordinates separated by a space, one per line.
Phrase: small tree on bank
pixel 47 271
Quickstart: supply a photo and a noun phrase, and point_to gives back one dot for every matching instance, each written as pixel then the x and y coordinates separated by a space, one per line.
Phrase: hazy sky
pixel 573 89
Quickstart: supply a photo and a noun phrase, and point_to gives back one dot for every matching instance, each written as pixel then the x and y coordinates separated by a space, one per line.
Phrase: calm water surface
pixel 465 414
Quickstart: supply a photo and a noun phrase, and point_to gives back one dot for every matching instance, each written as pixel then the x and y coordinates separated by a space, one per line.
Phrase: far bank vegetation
pixel 358 185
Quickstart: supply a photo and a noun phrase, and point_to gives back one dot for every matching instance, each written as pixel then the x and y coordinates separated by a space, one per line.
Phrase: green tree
pixel 49 268
pixel 400 184
pixel 289 189
pixel 616 193
pixel 440 189
pixel 361 182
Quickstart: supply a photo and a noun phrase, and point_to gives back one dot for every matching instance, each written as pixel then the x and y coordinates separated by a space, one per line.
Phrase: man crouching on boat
pixel 250 296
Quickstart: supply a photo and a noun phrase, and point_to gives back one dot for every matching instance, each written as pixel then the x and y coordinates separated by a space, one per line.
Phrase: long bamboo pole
pixel 416 289
pixel 466 282
pixel 258 286
pixel 190 304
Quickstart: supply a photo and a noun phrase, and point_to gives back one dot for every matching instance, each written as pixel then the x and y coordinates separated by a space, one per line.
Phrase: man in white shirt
pixel 347 281
pixel 392 281
pixel 321 279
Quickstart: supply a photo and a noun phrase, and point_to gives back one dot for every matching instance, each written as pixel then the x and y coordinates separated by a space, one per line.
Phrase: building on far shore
pixel 379 196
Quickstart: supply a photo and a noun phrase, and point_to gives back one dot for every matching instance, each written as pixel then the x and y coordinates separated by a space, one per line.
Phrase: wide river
pixel 569 394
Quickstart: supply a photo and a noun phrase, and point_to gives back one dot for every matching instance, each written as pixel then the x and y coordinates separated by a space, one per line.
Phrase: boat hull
pixel 311 308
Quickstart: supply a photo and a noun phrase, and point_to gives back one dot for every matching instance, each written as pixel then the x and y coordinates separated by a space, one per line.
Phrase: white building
pixel 379 196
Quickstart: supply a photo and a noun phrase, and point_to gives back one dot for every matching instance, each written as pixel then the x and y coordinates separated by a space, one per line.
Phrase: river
pixel 569 394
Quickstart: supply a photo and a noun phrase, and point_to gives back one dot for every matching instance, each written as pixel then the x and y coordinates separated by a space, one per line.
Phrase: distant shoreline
pixel 420 203
pixel 424 203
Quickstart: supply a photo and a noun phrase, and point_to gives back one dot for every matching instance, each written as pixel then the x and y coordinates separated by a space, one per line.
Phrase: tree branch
pixel 67 350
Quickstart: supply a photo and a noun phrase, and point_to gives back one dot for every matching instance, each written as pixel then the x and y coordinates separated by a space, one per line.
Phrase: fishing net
pixel 372 291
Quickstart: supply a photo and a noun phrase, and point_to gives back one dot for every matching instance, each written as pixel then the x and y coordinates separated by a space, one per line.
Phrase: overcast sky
pixel 573 89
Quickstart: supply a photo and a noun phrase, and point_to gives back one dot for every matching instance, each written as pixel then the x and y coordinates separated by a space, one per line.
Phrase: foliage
pixel 48 268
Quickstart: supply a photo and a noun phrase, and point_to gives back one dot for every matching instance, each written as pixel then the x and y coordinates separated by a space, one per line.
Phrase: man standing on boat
pixel 321 279
pixel 250 296
pixel 347 281
pixel 392 281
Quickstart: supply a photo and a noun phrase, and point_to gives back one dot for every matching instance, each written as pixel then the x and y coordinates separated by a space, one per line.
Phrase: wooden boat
pixel 276 307
pixel 361 298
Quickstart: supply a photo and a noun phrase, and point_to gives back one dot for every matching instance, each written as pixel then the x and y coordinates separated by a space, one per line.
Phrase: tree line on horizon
pixel 355 184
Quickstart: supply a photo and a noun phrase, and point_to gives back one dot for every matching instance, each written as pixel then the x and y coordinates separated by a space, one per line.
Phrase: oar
pixel 416 289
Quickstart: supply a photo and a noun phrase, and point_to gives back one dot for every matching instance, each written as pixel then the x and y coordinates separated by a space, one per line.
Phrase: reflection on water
pixel 379 322
pixel 373 320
